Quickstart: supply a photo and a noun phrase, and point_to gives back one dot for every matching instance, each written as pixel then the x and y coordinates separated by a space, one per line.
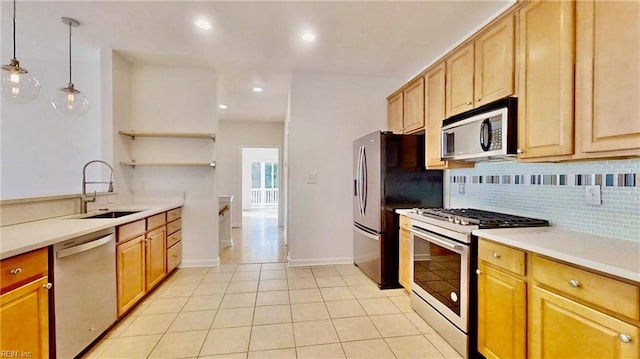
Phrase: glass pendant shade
pixel 70 101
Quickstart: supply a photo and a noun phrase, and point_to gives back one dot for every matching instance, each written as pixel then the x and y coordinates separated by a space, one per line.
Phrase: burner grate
pixel 484 219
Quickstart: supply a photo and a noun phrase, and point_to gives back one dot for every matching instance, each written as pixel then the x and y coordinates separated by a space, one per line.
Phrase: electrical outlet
pixel 312 179
pixel 592 195
pixel 461 188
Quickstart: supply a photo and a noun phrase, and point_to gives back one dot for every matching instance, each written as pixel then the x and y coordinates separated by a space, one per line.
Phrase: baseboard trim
pixel 319 261
pixel 194 263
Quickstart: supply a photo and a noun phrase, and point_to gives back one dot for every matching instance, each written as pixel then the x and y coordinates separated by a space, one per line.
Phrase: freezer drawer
pixel 367 252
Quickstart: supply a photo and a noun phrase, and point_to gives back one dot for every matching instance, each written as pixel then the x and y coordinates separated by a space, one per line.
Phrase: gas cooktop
pixel 482 219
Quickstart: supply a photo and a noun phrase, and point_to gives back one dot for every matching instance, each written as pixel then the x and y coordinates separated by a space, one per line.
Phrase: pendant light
pixel 68 100
pixel 18 85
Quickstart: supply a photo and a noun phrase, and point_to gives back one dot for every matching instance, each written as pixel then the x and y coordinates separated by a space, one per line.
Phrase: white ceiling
pixel 258 42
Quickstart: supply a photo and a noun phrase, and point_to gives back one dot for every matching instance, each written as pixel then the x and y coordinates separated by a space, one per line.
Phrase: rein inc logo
pixel 15 354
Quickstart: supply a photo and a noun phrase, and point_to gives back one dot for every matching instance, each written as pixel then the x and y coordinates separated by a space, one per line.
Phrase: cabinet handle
pixel 468 103
pixel 574 283
pixel 49 286
pixel 496 255
pixel 624 338
pixel 520 151
pixel 478 271
pixel 16 271
pixel 478 99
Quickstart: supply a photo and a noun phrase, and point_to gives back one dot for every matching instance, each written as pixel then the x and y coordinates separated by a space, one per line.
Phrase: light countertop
pixel 21 238
pixel 609 255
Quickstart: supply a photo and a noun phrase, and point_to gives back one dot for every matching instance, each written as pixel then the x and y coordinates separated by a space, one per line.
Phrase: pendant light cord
pixel 14 29
pixel 70 83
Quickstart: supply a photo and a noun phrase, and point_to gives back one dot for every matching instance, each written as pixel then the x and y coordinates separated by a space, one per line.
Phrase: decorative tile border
pixel 605 180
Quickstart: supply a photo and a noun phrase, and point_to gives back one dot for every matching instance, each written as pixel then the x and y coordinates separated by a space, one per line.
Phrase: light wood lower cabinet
pixel 155 255
pixel 404 268
pixel 130 264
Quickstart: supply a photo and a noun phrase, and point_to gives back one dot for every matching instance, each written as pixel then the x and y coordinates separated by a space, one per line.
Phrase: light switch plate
pixel 312 179
pixel 593 196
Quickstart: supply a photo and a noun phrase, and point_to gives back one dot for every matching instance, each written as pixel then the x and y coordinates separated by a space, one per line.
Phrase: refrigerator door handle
pixel 363 193
pixel 359 180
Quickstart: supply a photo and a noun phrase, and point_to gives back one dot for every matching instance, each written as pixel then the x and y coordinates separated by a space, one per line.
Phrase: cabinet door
pixel 395 112
pixel 502 318
pixel 413 119
pixel 130 264
pixel 545 106
pixel 404 269
pixel 494 63
pixel 607 73
pixel 156 257
pixel 434 114
pixel 562 328
pixel 460 81
pixel 24 324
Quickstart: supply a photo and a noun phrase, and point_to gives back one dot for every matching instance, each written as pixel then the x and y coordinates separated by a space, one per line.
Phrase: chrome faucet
pixel 85 200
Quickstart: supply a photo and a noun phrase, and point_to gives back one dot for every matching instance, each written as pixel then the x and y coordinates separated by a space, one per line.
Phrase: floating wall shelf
pixel 134 134
pixel 185 164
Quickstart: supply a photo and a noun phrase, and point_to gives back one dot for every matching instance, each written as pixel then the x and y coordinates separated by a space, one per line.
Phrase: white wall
pixel 232 137
pixel 180 100
pixel 249 156
pixel 327 112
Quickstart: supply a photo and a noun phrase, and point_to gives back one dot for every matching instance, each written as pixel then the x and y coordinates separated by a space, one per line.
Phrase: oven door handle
pixel 434 239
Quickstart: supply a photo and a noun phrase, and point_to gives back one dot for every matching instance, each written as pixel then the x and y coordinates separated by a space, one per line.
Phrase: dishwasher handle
pixel 84 247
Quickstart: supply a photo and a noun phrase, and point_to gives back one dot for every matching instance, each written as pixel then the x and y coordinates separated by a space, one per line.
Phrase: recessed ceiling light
pixel 203 24
pixel 308 36
pixel 257 89
pixel 222 106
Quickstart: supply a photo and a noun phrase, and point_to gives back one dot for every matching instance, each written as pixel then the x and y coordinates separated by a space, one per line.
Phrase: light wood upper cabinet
pixel 494 63
pixel 395 112
pixel 413 112
pixel 607 73
pixel 546 53
pixel 460 67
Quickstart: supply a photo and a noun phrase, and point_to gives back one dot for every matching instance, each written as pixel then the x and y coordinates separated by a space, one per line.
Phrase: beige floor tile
pixel 210 288
pixel 330 281
pixel 398 292
pixel 248 267
pixel 226 356
pixel 272 336
pixel 289 353
pixel 412 347
pixel 375 306
pixel 402 303
pixel 276 274
pixel 98 349
pixel 149 324
pixel 353 280
pixel 273 267
pixel 345 308
pixel 120 327
pixel 324 271
pixel 222 268
pixel 203 302
pixel 236 317
pixel 302 283
pixel 315 332
pixel 179 345
pixel 366 291
pixel 324 351
pixel 181 279
pixel 309 311
pixel 394 325
pixel 177 290
pixel 226 340
pixel 347 269
pixel 367 349
pixel 336 293
pixel 419 323
pixel 238 300
pixel 272 284
pixel 273 298
pixel 273 314
pixel 443 347
pixel 186 321
pixel 165 305
pixel 244 276
pixel 305 295
pixel 356 328
pixel 192 270
pixel 140 307
pixel 243 287
pixel 299 272
pixel 221 277
pixel 131 347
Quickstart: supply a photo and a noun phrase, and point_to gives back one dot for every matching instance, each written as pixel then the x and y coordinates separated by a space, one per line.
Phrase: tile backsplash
pixel 556 192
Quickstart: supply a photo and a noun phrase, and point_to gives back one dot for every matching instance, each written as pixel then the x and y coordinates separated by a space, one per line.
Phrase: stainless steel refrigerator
pixel 389 173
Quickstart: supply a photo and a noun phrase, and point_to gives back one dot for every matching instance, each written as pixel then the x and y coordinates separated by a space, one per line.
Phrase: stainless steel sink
pixel 111 214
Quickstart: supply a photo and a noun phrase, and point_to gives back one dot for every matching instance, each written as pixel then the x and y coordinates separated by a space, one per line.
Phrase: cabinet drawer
pixel 594 288
pixel 156 221
pixel 173 238
pixel 405 222
pixel 502 256
pixel 130 230
pixel 174 256
pixel 174 226
pixel 22 268
pixel 174 214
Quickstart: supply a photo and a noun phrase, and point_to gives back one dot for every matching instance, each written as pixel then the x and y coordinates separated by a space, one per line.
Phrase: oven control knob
pixel 464 221
pixel 451 219
pixel 454 297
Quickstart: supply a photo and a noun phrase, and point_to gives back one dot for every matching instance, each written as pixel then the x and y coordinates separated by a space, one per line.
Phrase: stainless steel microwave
pixel 482 134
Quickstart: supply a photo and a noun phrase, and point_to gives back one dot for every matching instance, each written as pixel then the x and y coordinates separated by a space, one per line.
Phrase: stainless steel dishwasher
pixel 84 273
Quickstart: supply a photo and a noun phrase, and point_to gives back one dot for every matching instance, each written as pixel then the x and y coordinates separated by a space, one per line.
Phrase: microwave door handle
pixel 436 240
